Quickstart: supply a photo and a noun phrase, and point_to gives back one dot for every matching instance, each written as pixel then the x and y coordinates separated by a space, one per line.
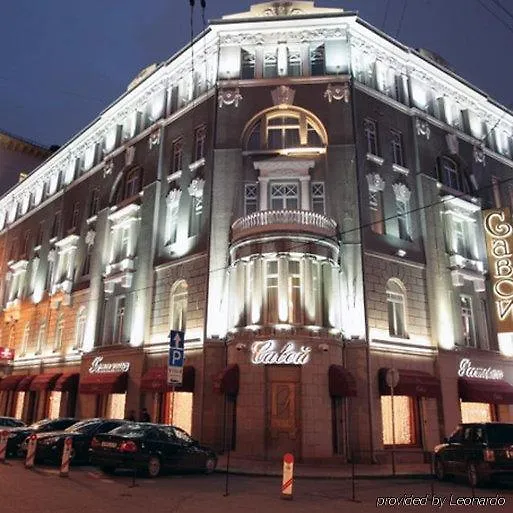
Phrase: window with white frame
pixel 317 59
pixel 396 304
pixel 397 148
pixel 376 211
pixel 200 137
pixel 80 325
pixel 270 64
pixel 59 333
pixel 271 282
pixel 284 195
pixel 460 237
pixel 467 320
pixel 25 339
pixel 178 306
pixel 247 65
pixel 250 198
pixel 177 155
pixel 371 136
pixel 294 68
pixel 450 174
pixel 118 336
pixel 40 337
pixel 172 202
pixel 318 200
pixel 75 216
pixel 403 211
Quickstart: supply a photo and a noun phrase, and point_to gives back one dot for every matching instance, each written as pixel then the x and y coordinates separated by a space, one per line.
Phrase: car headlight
pixel 49 441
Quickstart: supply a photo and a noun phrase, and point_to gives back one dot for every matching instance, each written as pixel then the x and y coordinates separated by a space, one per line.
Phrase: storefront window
pixel 476 412
pixel 116 406
pixel 403 424
pixel 54 406
pixel 20 399
pixel 180 410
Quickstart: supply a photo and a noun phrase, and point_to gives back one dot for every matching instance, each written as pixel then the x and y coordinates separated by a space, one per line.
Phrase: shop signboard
pixel 176 358
pixel 468 370
pixel 98 367
pixel 6 354
pixel 267 353
pixel 499 245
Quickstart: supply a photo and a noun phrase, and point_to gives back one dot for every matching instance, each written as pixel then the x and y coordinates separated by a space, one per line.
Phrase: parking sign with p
pixel 176 358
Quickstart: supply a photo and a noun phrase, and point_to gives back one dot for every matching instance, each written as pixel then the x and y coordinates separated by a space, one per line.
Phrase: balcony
pixel 271 221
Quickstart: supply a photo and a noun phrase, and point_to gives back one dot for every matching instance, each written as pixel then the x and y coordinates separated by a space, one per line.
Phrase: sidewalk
pixel 325 471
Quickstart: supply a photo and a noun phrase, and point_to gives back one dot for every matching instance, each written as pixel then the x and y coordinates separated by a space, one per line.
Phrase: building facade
pixel 303 196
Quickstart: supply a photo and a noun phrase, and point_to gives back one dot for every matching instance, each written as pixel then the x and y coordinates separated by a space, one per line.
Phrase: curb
pixel 249 473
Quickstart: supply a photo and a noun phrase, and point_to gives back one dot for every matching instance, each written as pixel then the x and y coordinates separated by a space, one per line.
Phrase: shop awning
pixel 104 383
pixel 44 382
pixel 227 381
pixel 24 384
pixel 67 382
pixel 485 391
pixel 11 382
pixel 412 383
pixel 341 382
pixel 155 380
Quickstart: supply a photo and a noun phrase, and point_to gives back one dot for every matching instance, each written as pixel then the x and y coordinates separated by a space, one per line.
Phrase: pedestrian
pixel 145 416
pixel 131 416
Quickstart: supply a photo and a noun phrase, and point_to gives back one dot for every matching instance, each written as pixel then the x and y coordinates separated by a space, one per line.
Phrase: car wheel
pixel 440 470
pixel 108 470
pixel 153 466
pixel 210 464
pixel 473 477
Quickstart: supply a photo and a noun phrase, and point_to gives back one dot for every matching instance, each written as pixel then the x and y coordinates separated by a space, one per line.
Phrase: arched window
pixel 59 333
pixel 40 337
pixel 128 184
pixel 80 328
pixel 178 306
pixel 451 175
pixel 277 130
pixel 396 303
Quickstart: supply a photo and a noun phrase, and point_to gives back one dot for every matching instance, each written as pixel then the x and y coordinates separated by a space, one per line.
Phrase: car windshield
pixel 40 423
pixel 82 427
pixel 132 430
pixel 500 434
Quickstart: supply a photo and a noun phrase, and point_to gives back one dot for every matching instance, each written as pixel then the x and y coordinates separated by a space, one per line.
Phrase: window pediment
pixel 283 167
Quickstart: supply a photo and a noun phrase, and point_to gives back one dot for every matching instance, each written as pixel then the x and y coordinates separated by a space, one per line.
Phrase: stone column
pixel 283 302
pixel 335 307
pixel 256 293
pixel 305 193
pixel 232 321
pixel 282 60
pixel 263 192
pixel 327 289
pixel 308 295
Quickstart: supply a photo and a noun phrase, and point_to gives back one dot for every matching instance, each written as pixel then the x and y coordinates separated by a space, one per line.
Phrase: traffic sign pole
pixel 4 436
pixel 31 452
pixel 288 476
pixel 66 457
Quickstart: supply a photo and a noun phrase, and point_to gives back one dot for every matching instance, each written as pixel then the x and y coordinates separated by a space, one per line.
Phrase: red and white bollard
pixel 66 457
pixel 31 451
pixel 288 475
pixel 4 436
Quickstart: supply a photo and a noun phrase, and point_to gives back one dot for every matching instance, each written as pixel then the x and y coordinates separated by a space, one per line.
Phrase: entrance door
pixel 283 411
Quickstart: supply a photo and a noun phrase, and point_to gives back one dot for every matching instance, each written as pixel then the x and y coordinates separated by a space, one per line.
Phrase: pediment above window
pixel 284 167
pixel 69 242
pixel 125 213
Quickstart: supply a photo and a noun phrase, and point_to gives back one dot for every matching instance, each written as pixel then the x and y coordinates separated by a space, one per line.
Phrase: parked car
pixel 18 435
pixel 151 448
pixel 10 422
pixel 50 445
pixel 479 451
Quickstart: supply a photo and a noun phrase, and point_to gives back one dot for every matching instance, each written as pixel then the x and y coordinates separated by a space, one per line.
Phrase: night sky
pixel 63 62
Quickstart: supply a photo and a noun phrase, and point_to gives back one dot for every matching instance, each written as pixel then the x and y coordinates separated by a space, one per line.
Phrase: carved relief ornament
pixel 283 95
pixel 375 182
pixel 337 92
pixel 479 155
pixel 229 97
pixel 423 128
pixel 401 191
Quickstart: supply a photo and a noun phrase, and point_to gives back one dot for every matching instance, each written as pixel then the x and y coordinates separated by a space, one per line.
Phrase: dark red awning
pixel 104 383
pixel 44 382
pixel 11 382
pixel 67 382
pixel 155 380
pixel 227 381
pixel 24 384
pixel 411 383
pixel 341 382
pixel 485 391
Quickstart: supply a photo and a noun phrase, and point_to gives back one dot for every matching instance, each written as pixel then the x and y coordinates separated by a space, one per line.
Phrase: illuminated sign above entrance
pixel 97 367
pixel 468 371
pixel 266 353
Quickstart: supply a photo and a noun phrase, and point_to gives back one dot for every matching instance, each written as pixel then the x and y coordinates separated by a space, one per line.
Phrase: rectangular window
pixel 247 65
pixel 399 428
pixel 119 321
pixel 403 220
pixel 397 148
pixel 40 234
pixel 294 63
pixel 94 202
pixel 396 314
pixel 317 61
pixel 250 198
pixel 195 215
pixel 476 412
pixel 460 241
pixel 26 244
pixel 75 216
pixel 177 156
pixel 56 226
pixel 116 406
pixel 467 321
pixel 376 211
pixel 496 192
pixel 86 269
pixel 270 64
pixel 371 136
pixel 13 250
pixel 49 275
pixel 272 290
pixel 294 292
pixel 54 405
pixel 200 137
pixel 284 196
pixel 318 204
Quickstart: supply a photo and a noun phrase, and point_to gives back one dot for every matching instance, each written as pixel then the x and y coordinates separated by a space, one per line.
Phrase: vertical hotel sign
pixel 499 246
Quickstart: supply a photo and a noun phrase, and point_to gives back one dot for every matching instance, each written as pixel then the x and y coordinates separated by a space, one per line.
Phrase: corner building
pixel 303 196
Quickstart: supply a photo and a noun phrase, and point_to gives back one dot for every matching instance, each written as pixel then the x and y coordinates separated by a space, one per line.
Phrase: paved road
pixel 87 490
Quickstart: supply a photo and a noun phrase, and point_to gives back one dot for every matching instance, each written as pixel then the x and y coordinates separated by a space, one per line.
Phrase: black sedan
pixel 480 451
pixel 50 445
pixel 151 448
pixel 18 435
pixel 10 422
